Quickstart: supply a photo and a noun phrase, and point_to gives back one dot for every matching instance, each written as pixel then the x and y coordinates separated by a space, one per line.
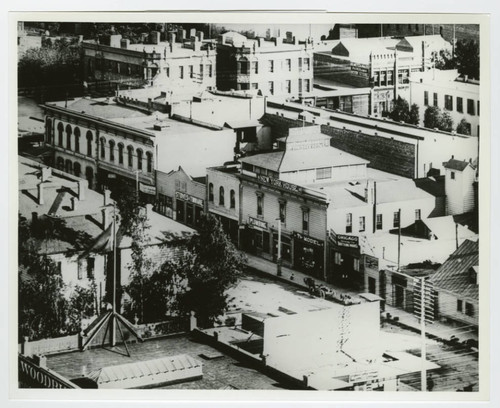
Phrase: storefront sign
pixel 256 223
pixel 189 198
pixel 308 239
pixel 279 183
pixel 34 376
pixel 147 189
pixel 348 241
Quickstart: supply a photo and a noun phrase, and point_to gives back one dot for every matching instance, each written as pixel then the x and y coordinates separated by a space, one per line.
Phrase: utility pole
pixel 112 321
pixel 399 239
pixel 422 333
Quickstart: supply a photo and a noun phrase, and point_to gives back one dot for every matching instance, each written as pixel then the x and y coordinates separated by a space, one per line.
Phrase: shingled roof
pixel 454 275
pixel 458 165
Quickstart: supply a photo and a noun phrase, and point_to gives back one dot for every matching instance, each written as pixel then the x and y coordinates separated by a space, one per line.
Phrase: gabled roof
pixel 453 275
pixel 459 165
pixel 446 228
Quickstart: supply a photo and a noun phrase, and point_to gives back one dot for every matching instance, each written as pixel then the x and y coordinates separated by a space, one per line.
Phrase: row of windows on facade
pixel 246 67
pixel 88 268
pixel 386 77
pixel 130 69
pixel 139 155
pixel 222 196
pixel 396 222
pixel 448 103
pixel 303 86
pixel 282 211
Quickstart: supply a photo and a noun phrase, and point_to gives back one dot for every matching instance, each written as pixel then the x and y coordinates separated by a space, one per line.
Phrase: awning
pixel 241 124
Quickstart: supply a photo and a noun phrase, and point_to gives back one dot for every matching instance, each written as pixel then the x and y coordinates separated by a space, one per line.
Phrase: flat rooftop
pixel 223 372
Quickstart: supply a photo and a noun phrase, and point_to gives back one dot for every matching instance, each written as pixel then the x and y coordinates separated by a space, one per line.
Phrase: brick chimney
pixel 82 187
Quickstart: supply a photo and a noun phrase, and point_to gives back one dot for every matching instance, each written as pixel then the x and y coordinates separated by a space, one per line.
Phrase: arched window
pixel 48 130
pixel 103 148
pixel 211 192
pixel 221 195
pixel 130 150
pixel 77 170
pixel 77 140
pixel 60 163
pixel 69 166
pixel 89 143
pixel 68 137
pixel 149 161
pixel 139 159
pixel 112 150
pixel 232 199
pixel 89 175
pixel 60 130
pixel 120 153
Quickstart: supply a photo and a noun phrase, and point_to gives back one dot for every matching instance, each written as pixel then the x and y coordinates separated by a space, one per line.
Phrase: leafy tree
pixel 414 115
pixel 211 266
pixel 467 58
pixel 82 304
pixel 443 60
pixel 463 127
pixel 435 118
pixel 403 113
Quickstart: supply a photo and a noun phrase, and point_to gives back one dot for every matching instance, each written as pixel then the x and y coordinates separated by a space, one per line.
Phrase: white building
pixel 460 186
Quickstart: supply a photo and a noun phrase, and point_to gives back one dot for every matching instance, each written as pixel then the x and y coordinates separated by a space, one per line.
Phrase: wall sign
pixel 307 239
pixel 32 375
pixel 348 241
pixel 256 223
pixel 189 198
pixel 147 189
pixel 279 183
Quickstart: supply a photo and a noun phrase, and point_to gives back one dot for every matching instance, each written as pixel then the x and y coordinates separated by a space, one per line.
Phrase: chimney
pixel 40 193
pixel 82 186
pixel 74 201
pixel 46 173
pixel 105 218
pixel 107 197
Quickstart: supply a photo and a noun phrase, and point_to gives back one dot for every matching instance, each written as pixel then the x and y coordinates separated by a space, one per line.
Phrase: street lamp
pixel 278 260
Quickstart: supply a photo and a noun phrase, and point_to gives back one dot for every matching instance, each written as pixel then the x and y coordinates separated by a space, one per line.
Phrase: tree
pixel 211 266
pixel 446 122
pixel 467 58
pixel 82 305
pixel 463 127
pixel 434 118
pixel 443 60
pixel 401 110
pixel 414 115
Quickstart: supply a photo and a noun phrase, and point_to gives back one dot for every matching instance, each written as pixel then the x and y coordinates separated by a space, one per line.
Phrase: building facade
pixel 279 67
pixel 460 183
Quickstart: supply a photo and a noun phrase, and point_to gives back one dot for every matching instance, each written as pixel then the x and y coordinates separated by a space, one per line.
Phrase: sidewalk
pixel 436 329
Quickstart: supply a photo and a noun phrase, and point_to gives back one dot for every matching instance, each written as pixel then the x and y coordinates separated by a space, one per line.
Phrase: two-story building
pixel 280 67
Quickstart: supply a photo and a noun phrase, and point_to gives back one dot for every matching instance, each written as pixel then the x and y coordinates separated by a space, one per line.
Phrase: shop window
pixel 221 195
pixel 470 107
pixel 348 223
pixel 211 193
pixel 396 222
pixel 448 102
pixel 460 305
pixel 362 225
pixel 260 205
pixel 379 221
pixel 232 199
pixel 305 220
pixel 417 215
pixel 180 210
pixel 460 105
pixel 337 258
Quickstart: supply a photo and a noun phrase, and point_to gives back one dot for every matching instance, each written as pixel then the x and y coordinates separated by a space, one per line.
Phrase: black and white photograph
pixel 207 205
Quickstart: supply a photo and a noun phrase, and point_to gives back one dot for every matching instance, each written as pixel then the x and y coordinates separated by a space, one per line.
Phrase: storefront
pixel 308 254
pixel 286 249
pixel 255 237
pixel 345 262
pixel 188 208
